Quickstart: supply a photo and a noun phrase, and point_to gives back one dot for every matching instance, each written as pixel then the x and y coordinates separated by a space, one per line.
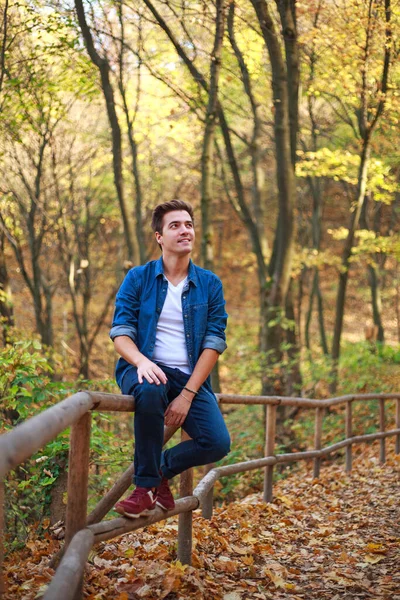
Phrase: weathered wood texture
pixel 207 504
pixel 185 523
pixel 303 402
pixel 112 402
pixel 382 425
pixel 270 429
pixel 78 476
pixel 349 434
pixel 26 439
pixel 17 445
pixel 319 414
pixel 106 530
pixel 68 577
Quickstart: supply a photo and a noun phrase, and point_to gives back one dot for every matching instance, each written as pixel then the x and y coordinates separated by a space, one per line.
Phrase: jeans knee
pixel 218 448
pixel 150 397
pixel 223 447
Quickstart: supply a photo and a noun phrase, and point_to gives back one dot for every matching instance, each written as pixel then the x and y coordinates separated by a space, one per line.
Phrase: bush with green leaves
pixel 26 388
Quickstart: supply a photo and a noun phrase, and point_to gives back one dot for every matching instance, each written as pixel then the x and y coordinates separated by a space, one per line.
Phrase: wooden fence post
pixel 78 475
pixel 185 522
pixel 269 450
pixel 397 445
pixel 382 453
pixel 349 434
pixel 207 506
pixel 319 413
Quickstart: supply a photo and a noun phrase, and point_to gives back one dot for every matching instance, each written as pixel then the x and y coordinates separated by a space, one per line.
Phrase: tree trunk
pixel 367 121
pixel 373 277
pixel 293 377
pixel 131 137
pixel 255 143
pixel 346 255
pixel 281 260
pixel 207 157
pixel 208 139
pixel 108 92
pixel 6 303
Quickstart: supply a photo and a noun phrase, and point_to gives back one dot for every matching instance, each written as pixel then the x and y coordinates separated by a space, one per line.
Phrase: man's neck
pixel 176 268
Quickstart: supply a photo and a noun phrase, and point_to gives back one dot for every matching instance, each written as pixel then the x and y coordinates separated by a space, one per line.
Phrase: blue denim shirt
pixel 140 300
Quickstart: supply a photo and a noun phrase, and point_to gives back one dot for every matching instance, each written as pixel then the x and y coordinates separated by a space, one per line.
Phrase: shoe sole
pixel 164 507
pixel 144 513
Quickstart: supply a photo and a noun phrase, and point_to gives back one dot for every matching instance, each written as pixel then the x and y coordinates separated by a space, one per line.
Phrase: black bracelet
pixel 189 390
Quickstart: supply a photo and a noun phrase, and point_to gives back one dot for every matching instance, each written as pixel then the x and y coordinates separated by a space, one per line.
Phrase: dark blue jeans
pixel 204 424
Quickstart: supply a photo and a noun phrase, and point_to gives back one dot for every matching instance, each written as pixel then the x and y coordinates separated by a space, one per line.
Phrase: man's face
pixel 177 236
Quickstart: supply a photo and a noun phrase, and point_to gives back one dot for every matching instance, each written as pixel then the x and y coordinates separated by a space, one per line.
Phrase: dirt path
pixel 335 538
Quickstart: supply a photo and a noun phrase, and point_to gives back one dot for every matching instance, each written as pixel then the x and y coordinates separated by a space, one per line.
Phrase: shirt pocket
pixel 200 318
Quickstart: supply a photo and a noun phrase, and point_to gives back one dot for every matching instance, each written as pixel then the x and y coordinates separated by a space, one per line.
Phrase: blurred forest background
pixel 278 121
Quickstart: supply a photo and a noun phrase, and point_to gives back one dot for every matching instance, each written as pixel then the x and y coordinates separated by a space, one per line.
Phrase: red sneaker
pixel 140 503
pixel 164 497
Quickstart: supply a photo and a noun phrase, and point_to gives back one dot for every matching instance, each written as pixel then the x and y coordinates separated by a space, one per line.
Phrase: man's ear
pixel 158 237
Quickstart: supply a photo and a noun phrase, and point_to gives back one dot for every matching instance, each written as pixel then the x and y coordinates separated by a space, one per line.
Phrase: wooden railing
pixel 83 531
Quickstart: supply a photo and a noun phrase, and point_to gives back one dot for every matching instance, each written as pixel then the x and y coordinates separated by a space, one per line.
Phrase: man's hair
pixel 166 207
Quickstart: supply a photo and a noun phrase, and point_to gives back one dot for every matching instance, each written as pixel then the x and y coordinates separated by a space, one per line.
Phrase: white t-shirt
pixel 170 347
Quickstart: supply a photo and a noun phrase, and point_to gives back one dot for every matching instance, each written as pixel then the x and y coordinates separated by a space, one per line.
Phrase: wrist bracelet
pixel 189 390
pixel 187 399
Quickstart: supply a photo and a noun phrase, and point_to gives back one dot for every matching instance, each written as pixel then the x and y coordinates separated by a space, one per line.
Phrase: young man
pixel 169 328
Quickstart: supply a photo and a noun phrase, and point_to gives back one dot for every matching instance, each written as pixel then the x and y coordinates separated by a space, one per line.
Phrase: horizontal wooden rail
pixel 107 530
pixel 18 445
pixel 23 441
pixel 26 439
pixel 302 402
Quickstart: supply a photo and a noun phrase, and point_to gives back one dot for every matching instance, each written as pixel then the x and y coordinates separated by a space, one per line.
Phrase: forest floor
pixel 336 537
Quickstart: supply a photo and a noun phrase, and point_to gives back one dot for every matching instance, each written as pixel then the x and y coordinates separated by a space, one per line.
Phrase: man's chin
pixel 185 248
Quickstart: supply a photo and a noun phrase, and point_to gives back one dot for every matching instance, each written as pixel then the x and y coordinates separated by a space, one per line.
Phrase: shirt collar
pixel 192 275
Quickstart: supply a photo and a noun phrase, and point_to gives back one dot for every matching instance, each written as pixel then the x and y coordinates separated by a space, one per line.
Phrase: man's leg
pixel 204 424
pixel 151 402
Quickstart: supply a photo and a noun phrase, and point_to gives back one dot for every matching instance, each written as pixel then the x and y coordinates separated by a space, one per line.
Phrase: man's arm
pixel 127 348
pixel 178 409
pixel 213 345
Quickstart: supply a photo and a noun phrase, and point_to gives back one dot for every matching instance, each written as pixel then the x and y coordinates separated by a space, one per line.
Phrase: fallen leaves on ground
pixel 336 538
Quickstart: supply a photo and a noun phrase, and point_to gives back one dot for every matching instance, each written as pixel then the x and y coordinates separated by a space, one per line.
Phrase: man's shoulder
pixel 139 276
pixel 206 274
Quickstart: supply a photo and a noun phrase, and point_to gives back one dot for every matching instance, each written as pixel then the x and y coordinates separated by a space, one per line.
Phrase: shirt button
pixel 188 335
pixel 185 316
pixel 184 297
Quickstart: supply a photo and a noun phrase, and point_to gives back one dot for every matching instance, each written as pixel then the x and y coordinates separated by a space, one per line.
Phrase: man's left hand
pixel 177 411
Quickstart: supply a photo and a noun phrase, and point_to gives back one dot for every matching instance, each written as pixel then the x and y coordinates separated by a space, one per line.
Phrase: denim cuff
pixel 127 330
pixel 215 343
pixel 147 482
pixel 166 472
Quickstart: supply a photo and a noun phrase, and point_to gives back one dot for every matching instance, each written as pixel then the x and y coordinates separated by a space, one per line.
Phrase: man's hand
pixel 177 411
pixel 150 371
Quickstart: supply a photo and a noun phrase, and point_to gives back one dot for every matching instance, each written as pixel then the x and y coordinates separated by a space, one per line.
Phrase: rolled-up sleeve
pixel 216 320
pixel 125 321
